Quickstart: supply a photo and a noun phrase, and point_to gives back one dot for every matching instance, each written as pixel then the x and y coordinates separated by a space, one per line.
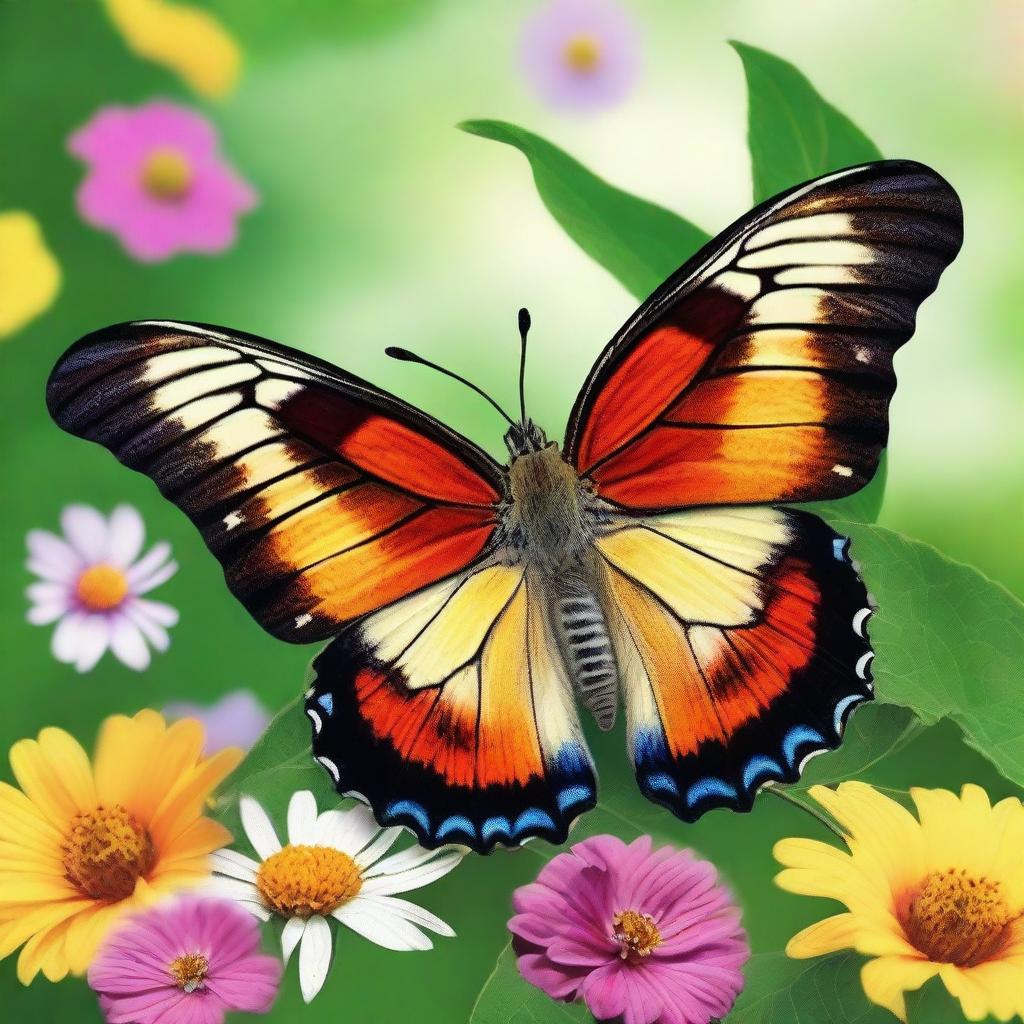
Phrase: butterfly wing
pixel 761 371
pixel 323 498
pixel 741 639
pixel 450 713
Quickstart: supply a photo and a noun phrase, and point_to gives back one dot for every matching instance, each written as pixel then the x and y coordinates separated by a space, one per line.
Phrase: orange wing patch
pixel 323 498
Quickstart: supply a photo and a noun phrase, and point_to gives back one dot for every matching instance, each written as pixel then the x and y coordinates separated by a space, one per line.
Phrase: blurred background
pixel 379 223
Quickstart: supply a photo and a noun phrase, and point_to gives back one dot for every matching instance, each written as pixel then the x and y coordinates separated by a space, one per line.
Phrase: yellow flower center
pixel 189 971
pixel 166 174
pixel 101 587
pixel 956 918
pixel 106 851
pixel 300 881
pixel 636 934
pixel 583 53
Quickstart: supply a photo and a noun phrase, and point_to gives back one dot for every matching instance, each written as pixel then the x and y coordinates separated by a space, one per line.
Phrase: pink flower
pixel 236 720
pixel 580 54
pixel 157 181
pixel 645 937
pixel 192 960
pixel 91 583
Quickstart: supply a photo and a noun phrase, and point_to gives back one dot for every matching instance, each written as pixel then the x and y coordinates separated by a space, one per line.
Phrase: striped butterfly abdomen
pixel 588 653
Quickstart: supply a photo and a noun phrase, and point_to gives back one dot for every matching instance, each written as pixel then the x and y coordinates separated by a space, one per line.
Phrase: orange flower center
pixel 956 918
pixel 636 934
pixel 101 587
pixel 166 174
pixel 106 851
pixel 300 881
pixel 189 971
pixel 583 53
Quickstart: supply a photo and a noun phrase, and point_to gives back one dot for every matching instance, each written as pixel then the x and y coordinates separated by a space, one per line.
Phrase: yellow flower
pixel 29 275
pixel 82 844
pixel 940 894
pixel 188 40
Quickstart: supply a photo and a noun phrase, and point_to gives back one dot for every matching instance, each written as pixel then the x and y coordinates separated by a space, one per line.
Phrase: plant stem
pixel 807 809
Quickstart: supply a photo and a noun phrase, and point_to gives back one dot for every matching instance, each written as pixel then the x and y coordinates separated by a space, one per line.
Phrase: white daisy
pixel 90 584
pixel 333 866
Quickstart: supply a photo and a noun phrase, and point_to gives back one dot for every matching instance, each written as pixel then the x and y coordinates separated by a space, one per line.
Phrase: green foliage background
pixel 381 224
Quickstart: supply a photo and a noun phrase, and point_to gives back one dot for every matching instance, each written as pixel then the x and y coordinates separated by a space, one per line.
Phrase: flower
pixel 29 275
pixel 648 937
pixel 940 894
pixel 82 844
pixel 331 867
pixel 157 181
pixel 186 39
pixel 92 587
pixel 580 54
pixel 190 960
pixel 237 720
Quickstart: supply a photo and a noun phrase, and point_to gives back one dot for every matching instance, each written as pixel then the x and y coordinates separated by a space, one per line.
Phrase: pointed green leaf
pixel 793 133
pixel 638 242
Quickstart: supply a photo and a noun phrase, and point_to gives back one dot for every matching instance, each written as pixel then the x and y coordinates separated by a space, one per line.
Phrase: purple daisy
pixel 648 937
pixel 236 720
pixel 580 54
pixel 192 960
pixel 157 181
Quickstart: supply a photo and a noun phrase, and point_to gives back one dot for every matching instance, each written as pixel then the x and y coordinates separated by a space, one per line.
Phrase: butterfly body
pixel 646 560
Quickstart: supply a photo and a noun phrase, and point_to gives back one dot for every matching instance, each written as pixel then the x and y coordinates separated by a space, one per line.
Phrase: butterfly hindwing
pixel 322 497
pixel 761 371
pixel 450 713
pixel 742 646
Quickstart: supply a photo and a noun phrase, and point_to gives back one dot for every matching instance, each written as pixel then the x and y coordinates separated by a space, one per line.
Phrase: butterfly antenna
pixel 410 357
pixel 524 329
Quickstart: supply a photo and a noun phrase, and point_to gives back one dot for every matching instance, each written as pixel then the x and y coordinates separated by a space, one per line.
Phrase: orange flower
pixel 81 844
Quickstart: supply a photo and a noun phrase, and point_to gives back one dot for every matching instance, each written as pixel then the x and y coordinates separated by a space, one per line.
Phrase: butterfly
pixel 472 607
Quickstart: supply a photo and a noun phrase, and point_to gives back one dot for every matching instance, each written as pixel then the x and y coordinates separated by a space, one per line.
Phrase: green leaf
pixel 949 643
pixel 828 989
pixel 793 133
pixel 507 999
pixel 638 242
pixel 874 732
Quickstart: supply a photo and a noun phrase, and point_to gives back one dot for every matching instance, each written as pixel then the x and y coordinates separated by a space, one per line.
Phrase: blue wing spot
pixel 571 760
pixel 326 701
pixel 710 787
pixel 759 769
pixel 648 745
pixel 410 808
pixel 839 546
pixel 455 823
pixel 795 737
pixel 573 795
pixel 846 702
pixel 494 826
pixel 662 783
pixel 533 819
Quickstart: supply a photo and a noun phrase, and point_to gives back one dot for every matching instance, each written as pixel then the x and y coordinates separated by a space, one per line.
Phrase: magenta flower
pixel 157 181
pixel 192 960
pixel 645 937
pixel 236 720
pixel 580 54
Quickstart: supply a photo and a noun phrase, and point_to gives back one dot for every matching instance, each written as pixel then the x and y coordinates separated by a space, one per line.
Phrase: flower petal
pixel 834 933
pixel 887 978
pixel 55 775
pixel 347 830
pixel 127 643
pixel 152 562
pixel 52 558
pixel 384 927
pixel 94 634
pixel 314 957
pixel 234 865
pixel 302 818
pixel 86 530
pixel 293 931
pixel 407 910
pixel 258 828
pixel 126 534
pixel 387 884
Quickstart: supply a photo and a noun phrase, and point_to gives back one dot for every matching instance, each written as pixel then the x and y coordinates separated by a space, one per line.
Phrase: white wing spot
pixel 862 354
pixel 316 720
pixel 331 767
pixel 303 620
pixel 859 619
pixel 862 664
pixel 842 470
pixel 309 693
pixel 233 519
